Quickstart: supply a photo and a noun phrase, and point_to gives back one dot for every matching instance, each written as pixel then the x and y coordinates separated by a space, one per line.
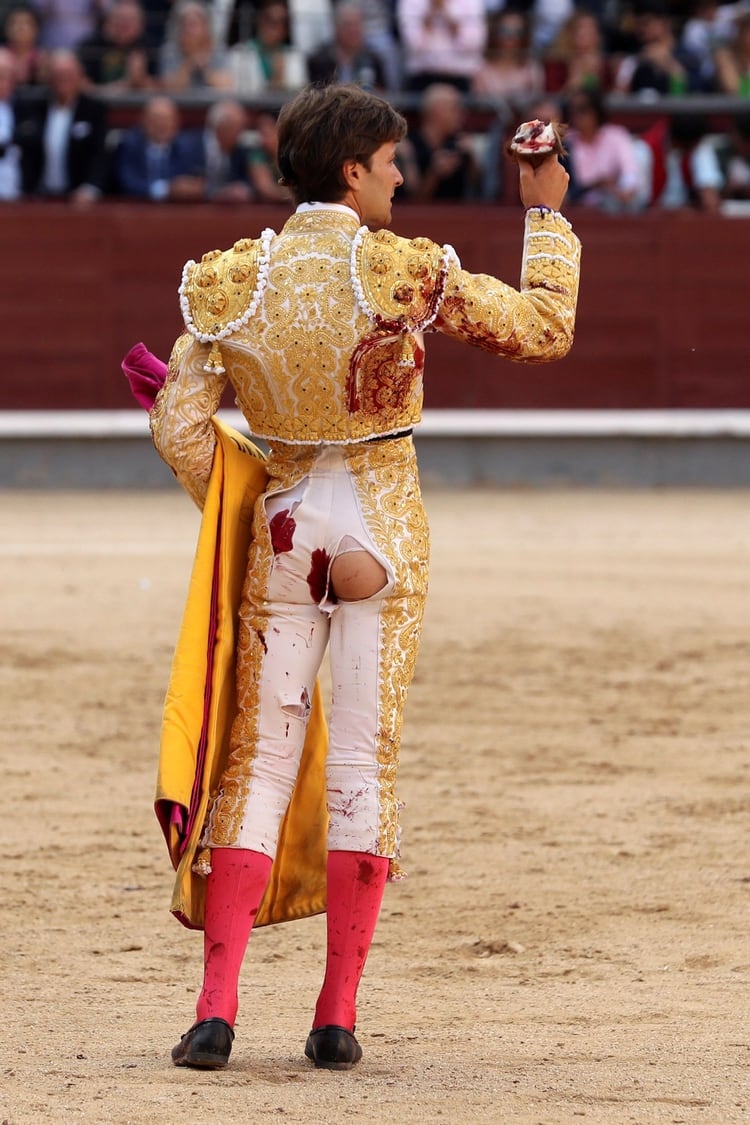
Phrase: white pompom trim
pixel 449 255
pixel 262 280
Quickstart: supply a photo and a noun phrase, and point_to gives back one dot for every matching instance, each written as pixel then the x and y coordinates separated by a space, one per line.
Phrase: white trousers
pixel 286 634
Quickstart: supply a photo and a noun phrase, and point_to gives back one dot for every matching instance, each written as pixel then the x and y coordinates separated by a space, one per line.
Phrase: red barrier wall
pixel 663 309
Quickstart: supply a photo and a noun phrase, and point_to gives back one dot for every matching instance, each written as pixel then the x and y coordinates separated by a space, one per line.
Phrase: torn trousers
pixel 323 501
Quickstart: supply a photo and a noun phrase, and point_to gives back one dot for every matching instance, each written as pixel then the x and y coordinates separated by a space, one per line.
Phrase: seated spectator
pixel 708 28
pixel 547 20
pixel 10 157
pixel 380 37
pixel 682 165
pixel 189 58
pixel 577 60
pixel 117 57
pixel 437 159
pixel 21 35
pixel 606 170
pixel 734 156
pixel 155 160
pixel 263 169
pixel 733 61
pixel 218 155
pixel 66 23
pixel 660 66
pixel 508 70
pixel 310 22
pixel 346 58
pixel 442 41
pixel 63 137
pixel 267 62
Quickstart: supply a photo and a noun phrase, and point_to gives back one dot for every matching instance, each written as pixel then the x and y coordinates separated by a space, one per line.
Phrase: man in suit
pixel 347 58
pixel 155 160
pixel 63 137
pixel 218 154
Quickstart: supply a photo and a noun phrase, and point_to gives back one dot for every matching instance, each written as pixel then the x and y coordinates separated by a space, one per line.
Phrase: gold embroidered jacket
pixel 320 329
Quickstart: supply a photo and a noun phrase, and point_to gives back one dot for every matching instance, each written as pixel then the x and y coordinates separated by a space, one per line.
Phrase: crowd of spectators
pixel 67 65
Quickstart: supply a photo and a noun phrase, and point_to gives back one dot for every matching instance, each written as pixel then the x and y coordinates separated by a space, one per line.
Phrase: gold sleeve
pixel 532 324
pixel 181 416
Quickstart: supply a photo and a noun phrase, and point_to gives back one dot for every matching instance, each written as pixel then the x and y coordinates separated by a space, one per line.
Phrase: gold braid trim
pixel 399 282
pixel 219 294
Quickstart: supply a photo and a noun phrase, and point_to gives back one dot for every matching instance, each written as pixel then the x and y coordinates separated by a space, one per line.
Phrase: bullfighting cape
pixel 200 707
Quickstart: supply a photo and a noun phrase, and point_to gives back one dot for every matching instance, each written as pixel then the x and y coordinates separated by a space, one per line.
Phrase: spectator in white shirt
pixel 190 58
pixel 442 40
pixel 63 137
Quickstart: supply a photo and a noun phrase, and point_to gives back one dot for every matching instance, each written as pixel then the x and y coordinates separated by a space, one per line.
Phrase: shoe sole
pixel 332 1064
pixel 320 1065
pixel 203 1062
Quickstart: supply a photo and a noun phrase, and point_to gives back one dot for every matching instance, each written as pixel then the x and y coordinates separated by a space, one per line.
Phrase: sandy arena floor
pixel 572 942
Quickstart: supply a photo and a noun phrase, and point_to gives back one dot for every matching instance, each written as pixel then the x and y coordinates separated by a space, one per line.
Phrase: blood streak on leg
pixel 282 528
pixel 317 578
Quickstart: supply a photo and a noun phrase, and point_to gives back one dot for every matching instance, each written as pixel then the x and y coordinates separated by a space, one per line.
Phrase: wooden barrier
pixel 661 314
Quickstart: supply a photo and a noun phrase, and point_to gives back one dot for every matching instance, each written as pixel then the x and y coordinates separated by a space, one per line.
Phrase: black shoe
pixel 333 1048
pixel 206 1045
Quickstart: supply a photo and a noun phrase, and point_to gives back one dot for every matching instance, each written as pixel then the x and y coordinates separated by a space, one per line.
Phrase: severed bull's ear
pixel 536 140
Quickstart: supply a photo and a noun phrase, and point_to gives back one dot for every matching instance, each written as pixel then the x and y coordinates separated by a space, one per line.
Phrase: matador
pixel 319 328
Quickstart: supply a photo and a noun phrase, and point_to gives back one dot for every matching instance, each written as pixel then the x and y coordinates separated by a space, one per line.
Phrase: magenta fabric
pixel 356 881
pixel 234 890
pixel 146 374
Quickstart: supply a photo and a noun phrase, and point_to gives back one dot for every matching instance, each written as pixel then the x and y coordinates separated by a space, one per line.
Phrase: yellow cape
pixel 200 707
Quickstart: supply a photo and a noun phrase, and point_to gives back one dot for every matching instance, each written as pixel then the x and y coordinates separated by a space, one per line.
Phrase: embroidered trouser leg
pixel 286 622
pixel 369 689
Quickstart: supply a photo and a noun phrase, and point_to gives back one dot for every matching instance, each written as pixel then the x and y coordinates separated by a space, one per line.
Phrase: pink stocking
pixel 234 891
pixel 356 882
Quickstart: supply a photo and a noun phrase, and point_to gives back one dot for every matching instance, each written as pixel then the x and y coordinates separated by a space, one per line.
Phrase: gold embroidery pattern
pixel 388 490
pixel 337 377
pixel 552 259
pixel 156 414
pixel 401 628
pixel 385 381
pixel 181 418
pixel 227 806
pixel 401 279
pixel 293 378
pixel 535 325
pixel 387 485
pixel 219 288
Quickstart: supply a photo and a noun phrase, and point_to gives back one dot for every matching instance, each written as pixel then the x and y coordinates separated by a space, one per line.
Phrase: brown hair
pixel 322 128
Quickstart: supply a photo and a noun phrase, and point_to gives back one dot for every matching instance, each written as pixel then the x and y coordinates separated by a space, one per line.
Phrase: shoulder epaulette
pixel 399 282
pixel 219 294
